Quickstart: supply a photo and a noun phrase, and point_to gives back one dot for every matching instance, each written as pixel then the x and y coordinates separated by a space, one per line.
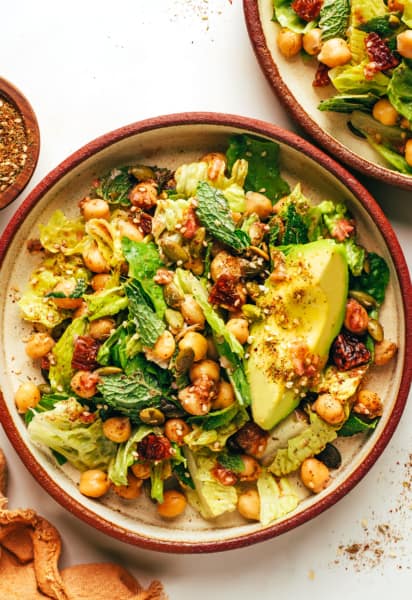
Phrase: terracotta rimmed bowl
pixel 291 79
pixel 169 141
pixel 12 95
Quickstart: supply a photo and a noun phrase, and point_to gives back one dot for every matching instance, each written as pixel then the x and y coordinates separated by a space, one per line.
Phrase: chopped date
pixel 85 353
pixel 348 352
pixel 380 56
pixel 227 292
pixel 250 439
pixel 154 447
pixel 144 222
pixel 321 78
pixel 223 475
pixel 191 225
pixel 308 10
pixel 34 246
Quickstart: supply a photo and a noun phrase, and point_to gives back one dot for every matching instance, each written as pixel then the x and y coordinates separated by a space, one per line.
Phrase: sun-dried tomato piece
pixel 223 475
pixel 85 353
pixel 380 56
pixel 348 352
pixel 308 10
pixel 321 78
pixel 228 293
pixel 250 439
pixel 154 447
pixel 191 225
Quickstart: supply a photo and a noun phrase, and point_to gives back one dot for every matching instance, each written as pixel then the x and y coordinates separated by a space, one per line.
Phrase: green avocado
pixel 303 312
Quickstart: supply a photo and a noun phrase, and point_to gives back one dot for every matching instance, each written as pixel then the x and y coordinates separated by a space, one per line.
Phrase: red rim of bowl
pixel 296 142
pixel 285 96
pixel 20 102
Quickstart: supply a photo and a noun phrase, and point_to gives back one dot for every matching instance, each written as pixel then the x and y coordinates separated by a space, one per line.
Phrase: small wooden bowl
pixel 12 95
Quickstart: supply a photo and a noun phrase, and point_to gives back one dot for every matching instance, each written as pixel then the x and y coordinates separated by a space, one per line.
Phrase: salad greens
pixel 146 347
pixel 362 50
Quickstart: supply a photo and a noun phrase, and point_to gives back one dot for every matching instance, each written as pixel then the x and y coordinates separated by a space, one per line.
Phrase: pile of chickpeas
pixel 335 52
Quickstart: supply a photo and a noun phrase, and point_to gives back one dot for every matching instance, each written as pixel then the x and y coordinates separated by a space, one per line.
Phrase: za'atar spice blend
pixel 13 143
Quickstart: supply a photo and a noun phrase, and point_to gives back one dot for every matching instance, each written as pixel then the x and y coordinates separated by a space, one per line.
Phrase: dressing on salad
pixel 156 306
pixel 363 48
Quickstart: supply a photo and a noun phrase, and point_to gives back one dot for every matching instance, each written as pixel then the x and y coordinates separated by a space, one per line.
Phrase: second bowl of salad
pixel 204 339
pixel 343 70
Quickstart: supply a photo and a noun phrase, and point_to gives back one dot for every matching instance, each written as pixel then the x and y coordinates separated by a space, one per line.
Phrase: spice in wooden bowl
pixel 19 142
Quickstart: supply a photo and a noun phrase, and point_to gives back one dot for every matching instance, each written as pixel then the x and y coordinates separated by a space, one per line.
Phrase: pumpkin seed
pixel 108 371
pixel 141 172
pixel 184 360
pixel 172 295
pixel 363 298
pixel 152 416
pixel 375 330
pixel 174 319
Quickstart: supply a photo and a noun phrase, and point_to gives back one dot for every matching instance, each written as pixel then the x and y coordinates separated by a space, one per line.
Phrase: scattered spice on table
pixel 13 143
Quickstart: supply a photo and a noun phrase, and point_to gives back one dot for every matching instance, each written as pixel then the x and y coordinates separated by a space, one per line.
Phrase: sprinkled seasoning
pixel 13 144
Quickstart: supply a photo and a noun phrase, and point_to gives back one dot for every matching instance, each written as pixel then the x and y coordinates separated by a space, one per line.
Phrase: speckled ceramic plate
pixel 169 141
pixel 9 93
pixel 291 79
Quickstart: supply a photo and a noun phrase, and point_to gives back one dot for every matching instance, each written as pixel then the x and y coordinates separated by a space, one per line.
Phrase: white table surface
pixel 91 66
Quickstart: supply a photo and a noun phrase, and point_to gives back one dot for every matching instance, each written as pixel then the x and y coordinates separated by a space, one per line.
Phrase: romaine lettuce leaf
pixel 355 256
pixel 363 11
pixel 126 455
pixel 277 498
pixel 215 439
pixel 61 371
pixel 108 240
pixel 286 17
pixel 407 13
pixel 64 430
pixel 105 303
pixel 210 497
pixel 400 90
pixel 62 234
pixel 263 173
pixel 350 79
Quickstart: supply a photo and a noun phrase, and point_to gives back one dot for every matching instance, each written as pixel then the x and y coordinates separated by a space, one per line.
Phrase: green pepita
pixel 375 330
pixel 363 298
pixel 152 416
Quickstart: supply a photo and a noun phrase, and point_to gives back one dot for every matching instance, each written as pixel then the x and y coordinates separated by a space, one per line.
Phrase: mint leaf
pixel 232 462
pixel 148 324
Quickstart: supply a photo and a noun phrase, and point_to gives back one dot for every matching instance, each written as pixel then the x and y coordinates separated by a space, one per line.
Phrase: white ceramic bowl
pixel 169 141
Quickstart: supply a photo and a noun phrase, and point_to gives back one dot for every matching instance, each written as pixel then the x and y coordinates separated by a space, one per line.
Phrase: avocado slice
pixel 305 310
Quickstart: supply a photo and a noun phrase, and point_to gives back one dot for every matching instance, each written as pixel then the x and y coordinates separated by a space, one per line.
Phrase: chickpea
pixel 312 41
pixel 356 317
pixel 384 112
pixel 39 344
pixel 329 409
pixel 174 503
pixel 225 264
pixel 239 327
pixel 314 474
pixel 94 259
pixel 84 383
pixel 368 403
pixel 205 368
pixel 130 231
pixel 95 208
pixel 194 401
pixel 176 430
pixel 117 429
pixel 408 152
pixel 131 490
pixel 335 52
pixel 404 43
pixel 225 396
pixel 248 505
pixel 191 311
pixel 27 396
pixel 258 204
pixel 384 352
pixel 144 195
pixel 100 281
pixel 216 162
pixel 66 287
pixel 251 469
pixel 94 483
pixel 197 342
pixel 163 348
pixel 141 470
pixel 100 329
pixel 81 311
pixel 289 42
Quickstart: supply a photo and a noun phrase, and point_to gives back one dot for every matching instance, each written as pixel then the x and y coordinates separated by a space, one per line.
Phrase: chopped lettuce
pixel 350 79
pixel 188 177
pixel 168 214
pixel 407 13
pixel 341 384
pixel 62 234
pixel 210 497
pixel 363 11
pixel 311 441
pixel 334 17
pixel 215 439
pixel 400 90
pixel 64 430
pixel 107 238
pixel 105 303
pixel 262 156
pixel 126 455
pixel 286 17
pixel 61 371
pixel 277 498
pixel 213 213
pixel 355 255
